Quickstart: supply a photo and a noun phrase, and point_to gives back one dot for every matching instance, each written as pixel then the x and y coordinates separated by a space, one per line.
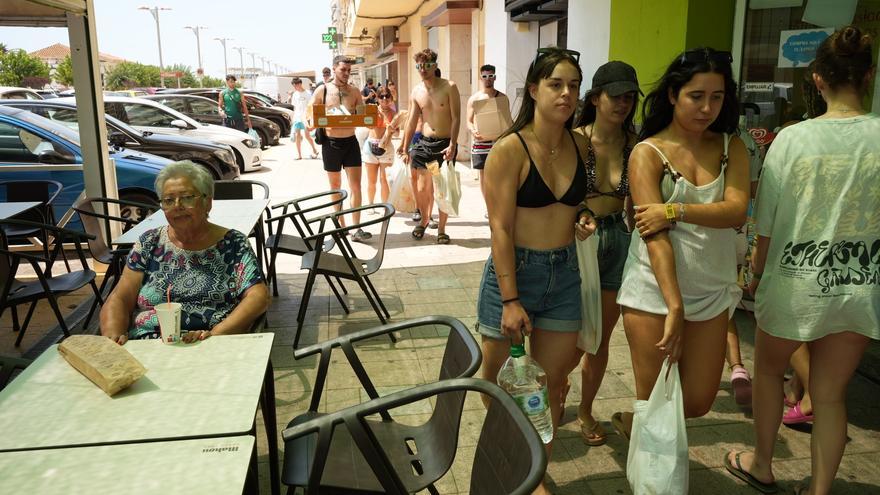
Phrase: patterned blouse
pixel 208 283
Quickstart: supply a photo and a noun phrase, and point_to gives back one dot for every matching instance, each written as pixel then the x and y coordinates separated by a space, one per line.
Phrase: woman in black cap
pixel 606 120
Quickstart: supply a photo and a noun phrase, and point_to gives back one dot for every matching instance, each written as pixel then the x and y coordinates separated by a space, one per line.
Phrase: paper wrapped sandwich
pixel 106 363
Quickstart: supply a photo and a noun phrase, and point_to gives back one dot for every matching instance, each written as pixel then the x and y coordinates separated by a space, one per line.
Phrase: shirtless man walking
pixel 483 144
pixel 436 101
pixel 341 149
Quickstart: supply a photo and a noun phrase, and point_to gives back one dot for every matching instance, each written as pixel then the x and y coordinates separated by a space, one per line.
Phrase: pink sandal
pixel 795 416
pixel 742 386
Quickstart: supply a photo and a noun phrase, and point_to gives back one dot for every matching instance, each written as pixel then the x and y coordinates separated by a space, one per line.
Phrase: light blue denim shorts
pixel 549 286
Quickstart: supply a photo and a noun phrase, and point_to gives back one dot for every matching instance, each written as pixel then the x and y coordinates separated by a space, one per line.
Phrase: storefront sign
pixel 758 87
pixel 797 48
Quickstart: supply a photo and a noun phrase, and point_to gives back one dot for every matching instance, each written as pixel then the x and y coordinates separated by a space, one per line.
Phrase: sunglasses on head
pixel 425 65
pixel 545 51
pixel 487 76
pixel 706 55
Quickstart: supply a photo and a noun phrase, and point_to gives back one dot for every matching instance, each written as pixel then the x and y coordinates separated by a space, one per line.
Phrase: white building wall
pixel 589 32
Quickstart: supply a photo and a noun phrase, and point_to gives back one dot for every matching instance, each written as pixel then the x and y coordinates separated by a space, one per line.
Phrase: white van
pixel 275 86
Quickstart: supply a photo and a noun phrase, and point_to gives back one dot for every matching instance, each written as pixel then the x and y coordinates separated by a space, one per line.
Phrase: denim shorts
pixel 549 287
pixel 614 241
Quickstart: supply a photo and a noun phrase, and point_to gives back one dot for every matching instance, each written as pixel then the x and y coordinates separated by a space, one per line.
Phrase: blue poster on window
pixel 797 48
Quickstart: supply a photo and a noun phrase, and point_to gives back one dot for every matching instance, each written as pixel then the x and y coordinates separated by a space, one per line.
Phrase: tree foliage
pixel 188 80
pixel 64 72
pixel 132 75
pixel 212 82
pixel 15 65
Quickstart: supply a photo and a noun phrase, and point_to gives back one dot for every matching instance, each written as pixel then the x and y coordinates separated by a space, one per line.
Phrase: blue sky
pixel 287 32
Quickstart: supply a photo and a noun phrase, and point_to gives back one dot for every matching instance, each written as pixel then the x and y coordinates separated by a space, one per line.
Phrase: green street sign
pixel 331 30
pixel 333 45
pixel 326 37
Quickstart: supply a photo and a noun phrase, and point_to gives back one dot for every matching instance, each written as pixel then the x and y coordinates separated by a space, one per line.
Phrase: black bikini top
pixel 534 192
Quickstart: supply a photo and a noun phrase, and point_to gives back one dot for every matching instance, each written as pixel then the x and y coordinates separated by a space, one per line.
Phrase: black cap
pixel 615 78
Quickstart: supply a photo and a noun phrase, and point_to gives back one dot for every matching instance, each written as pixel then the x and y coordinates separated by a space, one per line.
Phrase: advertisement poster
pixel 797 48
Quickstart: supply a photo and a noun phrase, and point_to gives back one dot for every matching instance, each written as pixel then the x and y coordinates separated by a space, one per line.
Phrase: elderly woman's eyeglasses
pixel 704 55
pixel 185 201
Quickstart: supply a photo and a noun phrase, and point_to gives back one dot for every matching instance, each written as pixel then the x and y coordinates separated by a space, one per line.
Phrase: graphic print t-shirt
pixel 819 203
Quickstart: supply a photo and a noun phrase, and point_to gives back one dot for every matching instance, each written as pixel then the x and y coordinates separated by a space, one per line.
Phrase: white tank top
pixel 705 257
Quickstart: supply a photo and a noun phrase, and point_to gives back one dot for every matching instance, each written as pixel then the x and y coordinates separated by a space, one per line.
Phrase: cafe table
pixel 218 466
pixel 9 210
pixel 209 388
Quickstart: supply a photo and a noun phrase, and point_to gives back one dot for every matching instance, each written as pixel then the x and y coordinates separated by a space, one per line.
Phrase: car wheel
pixel 264 138
pixel 239 160
pixel 210 169
pixel 135 213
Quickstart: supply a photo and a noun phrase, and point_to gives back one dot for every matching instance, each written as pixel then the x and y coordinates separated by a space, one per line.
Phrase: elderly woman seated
pixel 210 270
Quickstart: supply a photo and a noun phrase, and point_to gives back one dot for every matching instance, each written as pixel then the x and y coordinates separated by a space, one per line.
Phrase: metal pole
pixel 241 59
pixel 225 66
pixel 254 65
pixel 155 12
pixel 195 30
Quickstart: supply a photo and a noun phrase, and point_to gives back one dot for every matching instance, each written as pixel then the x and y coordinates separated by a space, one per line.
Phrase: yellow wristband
pixel 670 213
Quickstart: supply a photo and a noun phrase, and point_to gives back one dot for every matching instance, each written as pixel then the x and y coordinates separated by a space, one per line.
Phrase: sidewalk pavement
pixel 421 278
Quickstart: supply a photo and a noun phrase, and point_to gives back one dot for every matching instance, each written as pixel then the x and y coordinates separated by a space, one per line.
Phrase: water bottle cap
pixel 517 350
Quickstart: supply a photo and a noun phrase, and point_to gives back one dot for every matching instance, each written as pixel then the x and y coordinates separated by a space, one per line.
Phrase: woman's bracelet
pixel 512 299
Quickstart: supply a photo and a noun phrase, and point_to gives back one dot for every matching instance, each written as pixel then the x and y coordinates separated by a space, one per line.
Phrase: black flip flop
pixel 418 232
pixel 744 475
pixel 443 239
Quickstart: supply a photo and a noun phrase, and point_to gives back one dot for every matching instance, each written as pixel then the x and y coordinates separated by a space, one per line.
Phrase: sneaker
pixel 361 236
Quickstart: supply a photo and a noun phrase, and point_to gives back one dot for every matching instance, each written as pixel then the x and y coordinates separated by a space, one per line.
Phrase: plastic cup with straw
pixel 168 314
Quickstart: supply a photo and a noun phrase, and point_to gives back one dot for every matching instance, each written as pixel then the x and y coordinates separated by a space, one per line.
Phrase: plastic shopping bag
pixel 256 137
pixel 590 335
pixel 401 195
pixel 657 463
pixel 447 189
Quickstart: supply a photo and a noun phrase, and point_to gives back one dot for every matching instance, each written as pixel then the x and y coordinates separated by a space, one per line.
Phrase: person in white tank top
pixel 689 181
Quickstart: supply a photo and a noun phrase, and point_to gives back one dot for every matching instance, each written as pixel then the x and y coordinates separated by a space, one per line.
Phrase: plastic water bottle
pixel 526 382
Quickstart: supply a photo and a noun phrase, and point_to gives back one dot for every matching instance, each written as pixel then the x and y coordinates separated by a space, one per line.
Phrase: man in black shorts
pixel 437 102
pixel 341 150
pixel 481 144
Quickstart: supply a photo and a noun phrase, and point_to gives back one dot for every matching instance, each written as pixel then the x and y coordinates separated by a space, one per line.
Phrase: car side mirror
pixel 117 139
pixel 52 157
pixel 179 123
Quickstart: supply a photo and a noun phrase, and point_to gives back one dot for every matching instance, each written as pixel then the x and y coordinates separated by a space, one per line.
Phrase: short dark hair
pixel 844 59
pixel 437 72
pixel 657 111
pixel 342 59
pixel 426 55
pixel 369 80
pixel 297 80
pixel 325 70
pixel 487 68
pixel 230 76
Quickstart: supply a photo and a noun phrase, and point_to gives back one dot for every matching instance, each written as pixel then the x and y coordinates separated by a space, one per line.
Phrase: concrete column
pixel 458 69
pixel 589 29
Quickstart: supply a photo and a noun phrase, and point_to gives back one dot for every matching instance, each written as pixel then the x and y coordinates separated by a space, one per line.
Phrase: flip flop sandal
pixel 619 427
pixel 418 232
pixel 795 416
pixel 441 238
pixel 742 386
pixel 595 435
pixel 433 225
pixel 742 474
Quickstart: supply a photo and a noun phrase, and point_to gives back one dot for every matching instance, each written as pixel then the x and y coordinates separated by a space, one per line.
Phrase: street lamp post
pixel 240 58
pixel 195 29
pixel 155 12
pixel 254 64
pixel 225 66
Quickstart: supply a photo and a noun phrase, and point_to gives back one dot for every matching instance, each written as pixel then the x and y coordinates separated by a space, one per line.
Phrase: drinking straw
pixel 169 293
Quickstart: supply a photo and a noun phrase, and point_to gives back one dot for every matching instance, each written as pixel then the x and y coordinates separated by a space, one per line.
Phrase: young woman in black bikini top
pixel 534 192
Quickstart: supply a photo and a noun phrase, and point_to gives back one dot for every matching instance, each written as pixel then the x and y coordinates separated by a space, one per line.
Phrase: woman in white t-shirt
pixel 816 268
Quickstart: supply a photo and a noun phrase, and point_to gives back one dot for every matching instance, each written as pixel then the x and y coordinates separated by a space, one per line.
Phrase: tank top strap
pixel 667 167
pixel 576 149
pixel 725 155
pixel 523 141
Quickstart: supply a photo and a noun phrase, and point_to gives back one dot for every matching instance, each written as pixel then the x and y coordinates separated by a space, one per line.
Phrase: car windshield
pixel 54 128
pixel 67 116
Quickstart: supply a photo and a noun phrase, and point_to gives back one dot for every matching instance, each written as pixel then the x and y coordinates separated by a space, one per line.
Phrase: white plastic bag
pixel 447 189
pixel 657 463
pixel 256 137
pixel 401 195
pixel 590 335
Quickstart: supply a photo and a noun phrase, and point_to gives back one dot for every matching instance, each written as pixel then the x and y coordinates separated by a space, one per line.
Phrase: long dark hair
pixel 658 110
pixel 844 59
pixel 541 68
pixel 588 113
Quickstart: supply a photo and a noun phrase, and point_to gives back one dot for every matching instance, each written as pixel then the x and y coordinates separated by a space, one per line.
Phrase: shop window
pixel 776 83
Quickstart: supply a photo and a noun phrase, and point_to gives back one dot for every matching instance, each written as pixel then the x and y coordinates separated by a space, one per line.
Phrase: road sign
pixel 331 30
pixel 171 74
pixel 332 38
pixel 326 37
pixel 333 45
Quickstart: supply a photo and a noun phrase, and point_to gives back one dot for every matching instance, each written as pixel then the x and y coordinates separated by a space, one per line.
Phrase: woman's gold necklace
pixel 553 151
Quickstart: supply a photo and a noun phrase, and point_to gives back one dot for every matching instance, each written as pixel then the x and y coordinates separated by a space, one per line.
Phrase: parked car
pixel 148 115
pixel 282 117
pixel 47 93
pixel 28 139
pixel 10 93
pixel 219 159
pixel 268 99
pixel 205 110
